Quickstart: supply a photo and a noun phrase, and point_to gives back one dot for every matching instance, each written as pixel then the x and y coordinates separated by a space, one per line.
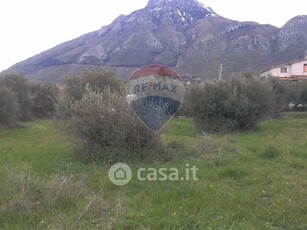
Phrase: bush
pixel 74 87
pixel 44 99
pixel 19 85
pixel 283 91
pixel 303 93
pixel 8 107
pixel 234 105
pixel 97 79
pixel 103 127
pixel 295 92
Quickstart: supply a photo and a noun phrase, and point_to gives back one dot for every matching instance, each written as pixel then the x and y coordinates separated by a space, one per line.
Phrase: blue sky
pixel 29 27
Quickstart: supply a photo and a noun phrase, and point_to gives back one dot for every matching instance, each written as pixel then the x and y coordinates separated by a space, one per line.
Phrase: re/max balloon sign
pixel 155 94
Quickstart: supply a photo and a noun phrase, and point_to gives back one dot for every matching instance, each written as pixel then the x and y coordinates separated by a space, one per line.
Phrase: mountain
pixel 182 34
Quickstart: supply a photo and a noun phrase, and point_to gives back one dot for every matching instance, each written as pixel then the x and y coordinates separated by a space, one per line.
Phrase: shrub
pixel 283 91
pixel 103 127
pixel 19 85
pixel 97 79
pixel 74 87
pixel 8 107
pixel 303 93
pixel 234 105
pixel 44 98
pixel 287 92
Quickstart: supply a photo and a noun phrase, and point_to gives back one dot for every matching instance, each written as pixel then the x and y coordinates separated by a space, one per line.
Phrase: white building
pixel 292 71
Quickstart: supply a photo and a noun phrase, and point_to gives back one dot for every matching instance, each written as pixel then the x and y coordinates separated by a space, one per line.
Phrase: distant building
pixel 187 80
pixel 292 71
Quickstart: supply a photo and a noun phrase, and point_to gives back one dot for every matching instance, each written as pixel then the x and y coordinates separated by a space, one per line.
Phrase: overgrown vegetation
pixel 9 106
pixel 19 85
pixel 74 88
pixel 241 185
pixel 103 127
pixel 254 179
pixel 97 79
pixel 287 92
pixel 93 113
pixel 31 99
pixel 41 187
pixel 99 121
pixel 241 102
pixel 237 104
pixel 44 97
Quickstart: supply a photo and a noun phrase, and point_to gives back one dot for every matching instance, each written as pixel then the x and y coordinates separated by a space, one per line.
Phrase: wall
pixel 276 72
pixel 298 68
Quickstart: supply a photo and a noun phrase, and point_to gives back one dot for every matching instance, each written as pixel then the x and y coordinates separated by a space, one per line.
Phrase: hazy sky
pixel 31 26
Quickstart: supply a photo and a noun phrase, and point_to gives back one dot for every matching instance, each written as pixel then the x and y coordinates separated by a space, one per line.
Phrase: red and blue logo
pixel 155 94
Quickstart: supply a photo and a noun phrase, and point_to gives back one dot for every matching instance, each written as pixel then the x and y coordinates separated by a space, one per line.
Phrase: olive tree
pixel 8 107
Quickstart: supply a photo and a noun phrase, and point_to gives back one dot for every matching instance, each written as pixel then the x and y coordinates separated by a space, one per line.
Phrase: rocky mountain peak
pixel 295 24
pixel 294 32
pixel 298 20
pixel 187 10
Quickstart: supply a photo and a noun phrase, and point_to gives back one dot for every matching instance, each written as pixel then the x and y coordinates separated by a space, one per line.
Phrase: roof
pixel 280 65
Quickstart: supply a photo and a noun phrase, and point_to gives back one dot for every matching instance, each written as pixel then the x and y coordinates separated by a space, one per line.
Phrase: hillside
pixel 185 35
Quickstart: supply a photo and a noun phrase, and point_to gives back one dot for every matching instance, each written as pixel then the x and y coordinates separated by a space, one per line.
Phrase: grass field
pixel 249 180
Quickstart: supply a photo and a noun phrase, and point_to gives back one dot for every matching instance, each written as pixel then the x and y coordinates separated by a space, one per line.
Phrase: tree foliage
pixel 18 84
pixel 97 79
pixel 9 107
pixel 230 105
pixel 44 97
pixel 98 119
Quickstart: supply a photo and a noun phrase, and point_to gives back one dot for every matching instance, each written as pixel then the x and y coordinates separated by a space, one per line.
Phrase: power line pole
pixel 221 72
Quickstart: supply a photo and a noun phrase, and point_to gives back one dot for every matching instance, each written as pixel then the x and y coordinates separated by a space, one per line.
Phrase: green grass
pixel 182 130
pixel 259 182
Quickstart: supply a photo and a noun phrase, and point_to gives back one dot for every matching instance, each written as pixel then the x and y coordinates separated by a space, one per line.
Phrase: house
pixel 292 71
